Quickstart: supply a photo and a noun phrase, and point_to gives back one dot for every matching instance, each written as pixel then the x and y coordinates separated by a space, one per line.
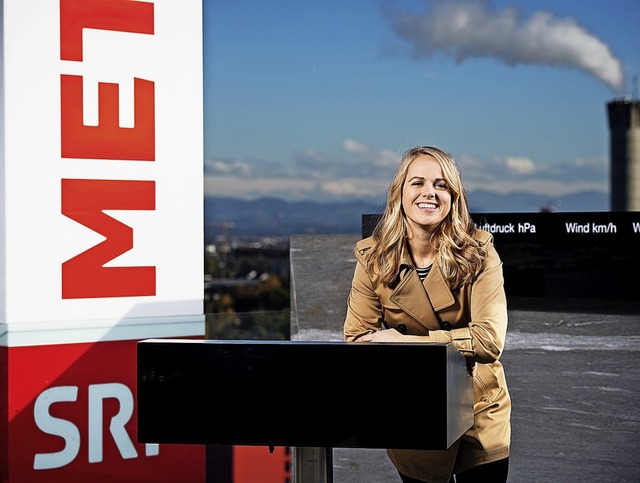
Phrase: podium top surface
pixel 280 343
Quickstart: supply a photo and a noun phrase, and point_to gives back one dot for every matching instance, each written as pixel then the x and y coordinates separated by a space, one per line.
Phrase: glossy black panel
pixel 582 255
pixel 306 394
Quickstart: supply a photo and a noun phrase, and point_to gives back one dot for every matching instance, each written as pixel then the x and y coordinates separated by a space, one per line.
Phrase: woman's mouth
pixel 427 206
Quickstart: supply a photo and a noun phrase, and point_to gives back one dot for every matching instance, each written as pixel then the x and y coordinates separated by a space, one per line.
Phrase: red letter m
pixel 84 276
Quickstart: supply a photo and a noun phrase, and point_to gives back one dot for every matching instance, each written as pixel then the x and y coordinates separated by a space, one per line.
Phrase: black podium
pixel 302 394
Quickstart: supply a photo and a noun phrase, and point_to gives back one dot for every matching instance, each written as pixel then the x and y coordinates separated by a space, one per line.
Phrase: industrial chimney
pixel 624 126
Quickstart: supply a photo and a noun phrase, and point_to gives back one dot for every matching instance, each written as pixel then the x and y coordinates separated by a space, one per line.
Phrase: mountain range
pixel 274 217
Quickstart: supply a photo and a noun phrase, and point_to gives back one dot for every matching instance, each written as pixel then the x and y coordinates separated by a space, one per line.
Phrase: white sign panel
pixel 101 160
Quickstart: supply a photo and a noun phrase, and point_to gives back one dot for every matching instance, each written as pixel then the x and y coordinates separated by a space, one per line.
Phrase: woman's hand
pixel 391 335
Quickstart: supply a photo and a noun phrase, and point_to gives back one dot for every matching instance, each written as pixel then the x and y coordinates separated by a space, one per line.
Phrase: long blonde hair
pixel 459 254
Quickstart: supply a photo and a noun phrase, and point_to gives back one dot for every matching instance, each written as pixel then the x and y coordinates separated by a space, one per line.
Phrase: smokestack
pixel 624 127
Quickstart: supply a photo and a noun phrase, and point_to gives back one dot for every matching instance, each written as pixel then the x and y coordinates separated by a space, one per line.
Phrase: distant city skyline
pixel 319 100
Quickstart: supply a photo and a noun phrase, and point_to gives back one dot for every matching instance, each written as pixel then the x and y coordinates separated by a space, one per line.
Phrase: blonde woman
pixel 428 275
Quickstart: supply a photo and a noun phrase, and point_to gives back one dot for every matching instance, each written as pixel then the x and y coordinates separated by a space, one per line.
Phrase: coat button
pixel 401 328
pixel 445 325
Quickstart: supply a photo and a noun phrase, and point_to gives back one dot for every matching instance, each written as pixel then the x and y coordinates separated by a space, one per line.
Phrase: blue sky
pixel 318 100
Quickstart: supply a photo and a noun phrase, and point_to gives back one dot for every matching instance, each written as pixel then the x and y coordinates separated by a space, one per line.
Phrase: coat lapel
pixel 421 299
pixel 438 289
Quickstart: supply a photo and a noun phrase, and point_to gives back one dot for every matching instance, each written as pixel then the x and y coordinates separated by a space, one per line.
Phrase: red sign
pixel 73 411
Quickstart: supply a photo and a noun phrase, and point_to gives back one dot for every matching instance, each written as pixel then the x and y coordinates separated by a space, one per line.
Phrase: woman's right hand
pixel 391 335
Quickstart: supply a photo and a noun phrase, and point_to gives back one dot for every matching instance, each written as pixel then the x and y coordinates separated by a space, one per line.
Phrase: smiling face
pixel 426 197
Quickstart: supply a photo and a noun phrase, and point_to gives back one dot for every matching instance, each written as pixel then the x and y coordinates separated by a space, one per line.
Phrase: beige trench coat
pixel 473 319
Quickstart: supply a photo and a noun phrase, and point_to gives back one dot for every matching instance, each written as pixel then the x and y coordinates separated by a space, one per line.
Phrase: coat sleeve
pixel 364 311
pixel 484 339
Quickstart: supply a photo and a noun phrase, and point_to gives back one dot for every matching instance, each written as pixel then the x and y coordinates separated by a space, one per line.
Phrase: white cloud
pixel 365 172
pixel 520 165
pixel 467 162
pixel 466 29
pixel 546 187
pixel 386 158
pixel 313 175
pixel 252 188
pixel 359 188
pixel 353 146
pixel 520 173
pixel 227 167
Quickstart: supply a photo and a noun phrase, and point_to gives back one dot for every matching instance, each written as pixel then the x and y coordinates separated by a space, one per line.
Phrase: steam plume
pixel 468 29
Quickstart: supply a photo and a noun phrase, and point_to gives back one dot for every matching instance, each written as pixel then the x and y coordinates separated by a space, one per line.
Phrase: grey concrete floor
pixel 573 379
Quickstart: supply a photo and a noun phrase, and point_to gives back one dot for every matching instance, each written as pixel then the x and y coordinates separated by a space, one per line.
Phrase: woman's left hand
pixel 389 335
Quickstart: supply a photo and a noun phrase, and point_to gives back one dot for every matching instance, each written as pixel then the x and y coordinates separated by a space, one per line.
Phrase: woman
pixel 449 275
